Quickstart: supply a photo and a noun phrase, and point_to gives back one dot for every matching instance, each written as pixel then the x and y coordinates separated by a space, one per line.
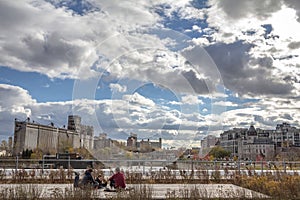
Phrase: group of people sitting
pixel 116 181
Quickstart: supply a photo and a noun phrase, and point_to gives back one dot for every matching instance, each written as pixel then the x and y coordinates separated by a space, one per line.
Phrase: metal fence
pixel 15 168
pixel 17 163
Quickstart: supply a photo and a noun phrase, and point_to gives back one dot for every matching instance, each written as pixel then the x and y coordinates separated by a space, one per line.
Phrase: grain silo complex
pixel 51 139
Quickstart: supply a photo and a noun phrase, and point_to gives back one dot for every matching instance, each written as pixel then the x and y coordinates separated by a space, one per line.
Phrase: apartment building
pixel 257 144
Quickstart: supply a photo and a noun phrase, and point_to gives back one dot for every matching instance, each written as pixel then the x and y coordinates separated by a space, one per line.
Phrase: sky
pixel 176 70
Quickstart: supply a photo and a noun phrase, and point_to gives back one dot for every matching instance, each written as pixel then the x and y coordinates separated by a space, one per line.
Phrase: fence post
pixel 43 163
pixel 192 165
pixel 69 164
pixel 17 163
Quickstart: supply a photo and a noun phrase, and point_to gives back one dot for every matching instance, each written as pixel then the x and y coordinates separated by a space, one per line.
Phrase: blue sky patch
pixel 80 7
pixel 40 86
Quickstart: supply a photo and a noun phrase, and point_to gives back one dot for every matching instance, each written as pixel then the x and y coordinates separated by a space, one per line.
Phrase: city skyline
pixel 172 70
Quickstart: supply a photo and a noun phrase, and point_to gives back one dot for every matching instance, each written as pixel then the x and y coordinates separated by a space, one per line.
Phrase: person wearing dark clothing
pixel 101 181
pixel 88 180
pixel 118 179
pixel 76 180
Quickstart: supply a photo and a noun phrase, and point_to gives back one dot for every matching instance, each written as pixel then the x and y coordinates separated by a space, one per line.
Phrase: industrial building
pixel 51 139
pixel 102 141
pixel 143 145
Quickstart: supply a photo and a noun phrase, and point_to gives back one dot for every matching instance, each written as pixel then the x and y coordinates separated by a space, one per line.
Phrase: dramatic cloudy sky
pixel 178 70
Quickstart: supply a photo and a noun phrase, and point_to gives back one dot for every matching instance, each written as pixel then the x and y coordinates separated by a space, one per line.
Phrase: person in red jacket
pixel 117 180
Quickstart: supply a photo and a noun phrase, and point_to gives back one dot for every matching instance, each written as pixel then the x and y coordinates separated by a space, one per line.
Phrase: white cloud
pixel 55 42
pixel 136 98
pixel 48 41
pixel 62 44
pixel 118 87
pixel 174 103
pixel 201 41
pixel 169 69
pixel 225 103
pixel 244 23
pixel 190 99
pixel 14 103
pixel 204 110
pixel 73 50
pixel 14 96
pixel 235 9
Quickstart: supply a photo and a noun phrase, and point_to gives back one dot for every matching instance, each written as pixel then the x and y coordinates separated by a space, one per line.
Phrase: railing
pixel 240 165
pixel 17 163
pixel 161 171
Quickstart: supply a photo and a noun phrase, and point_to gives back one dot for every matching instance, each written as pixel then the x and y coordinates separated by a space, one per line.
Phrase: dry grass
pixel 278 185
